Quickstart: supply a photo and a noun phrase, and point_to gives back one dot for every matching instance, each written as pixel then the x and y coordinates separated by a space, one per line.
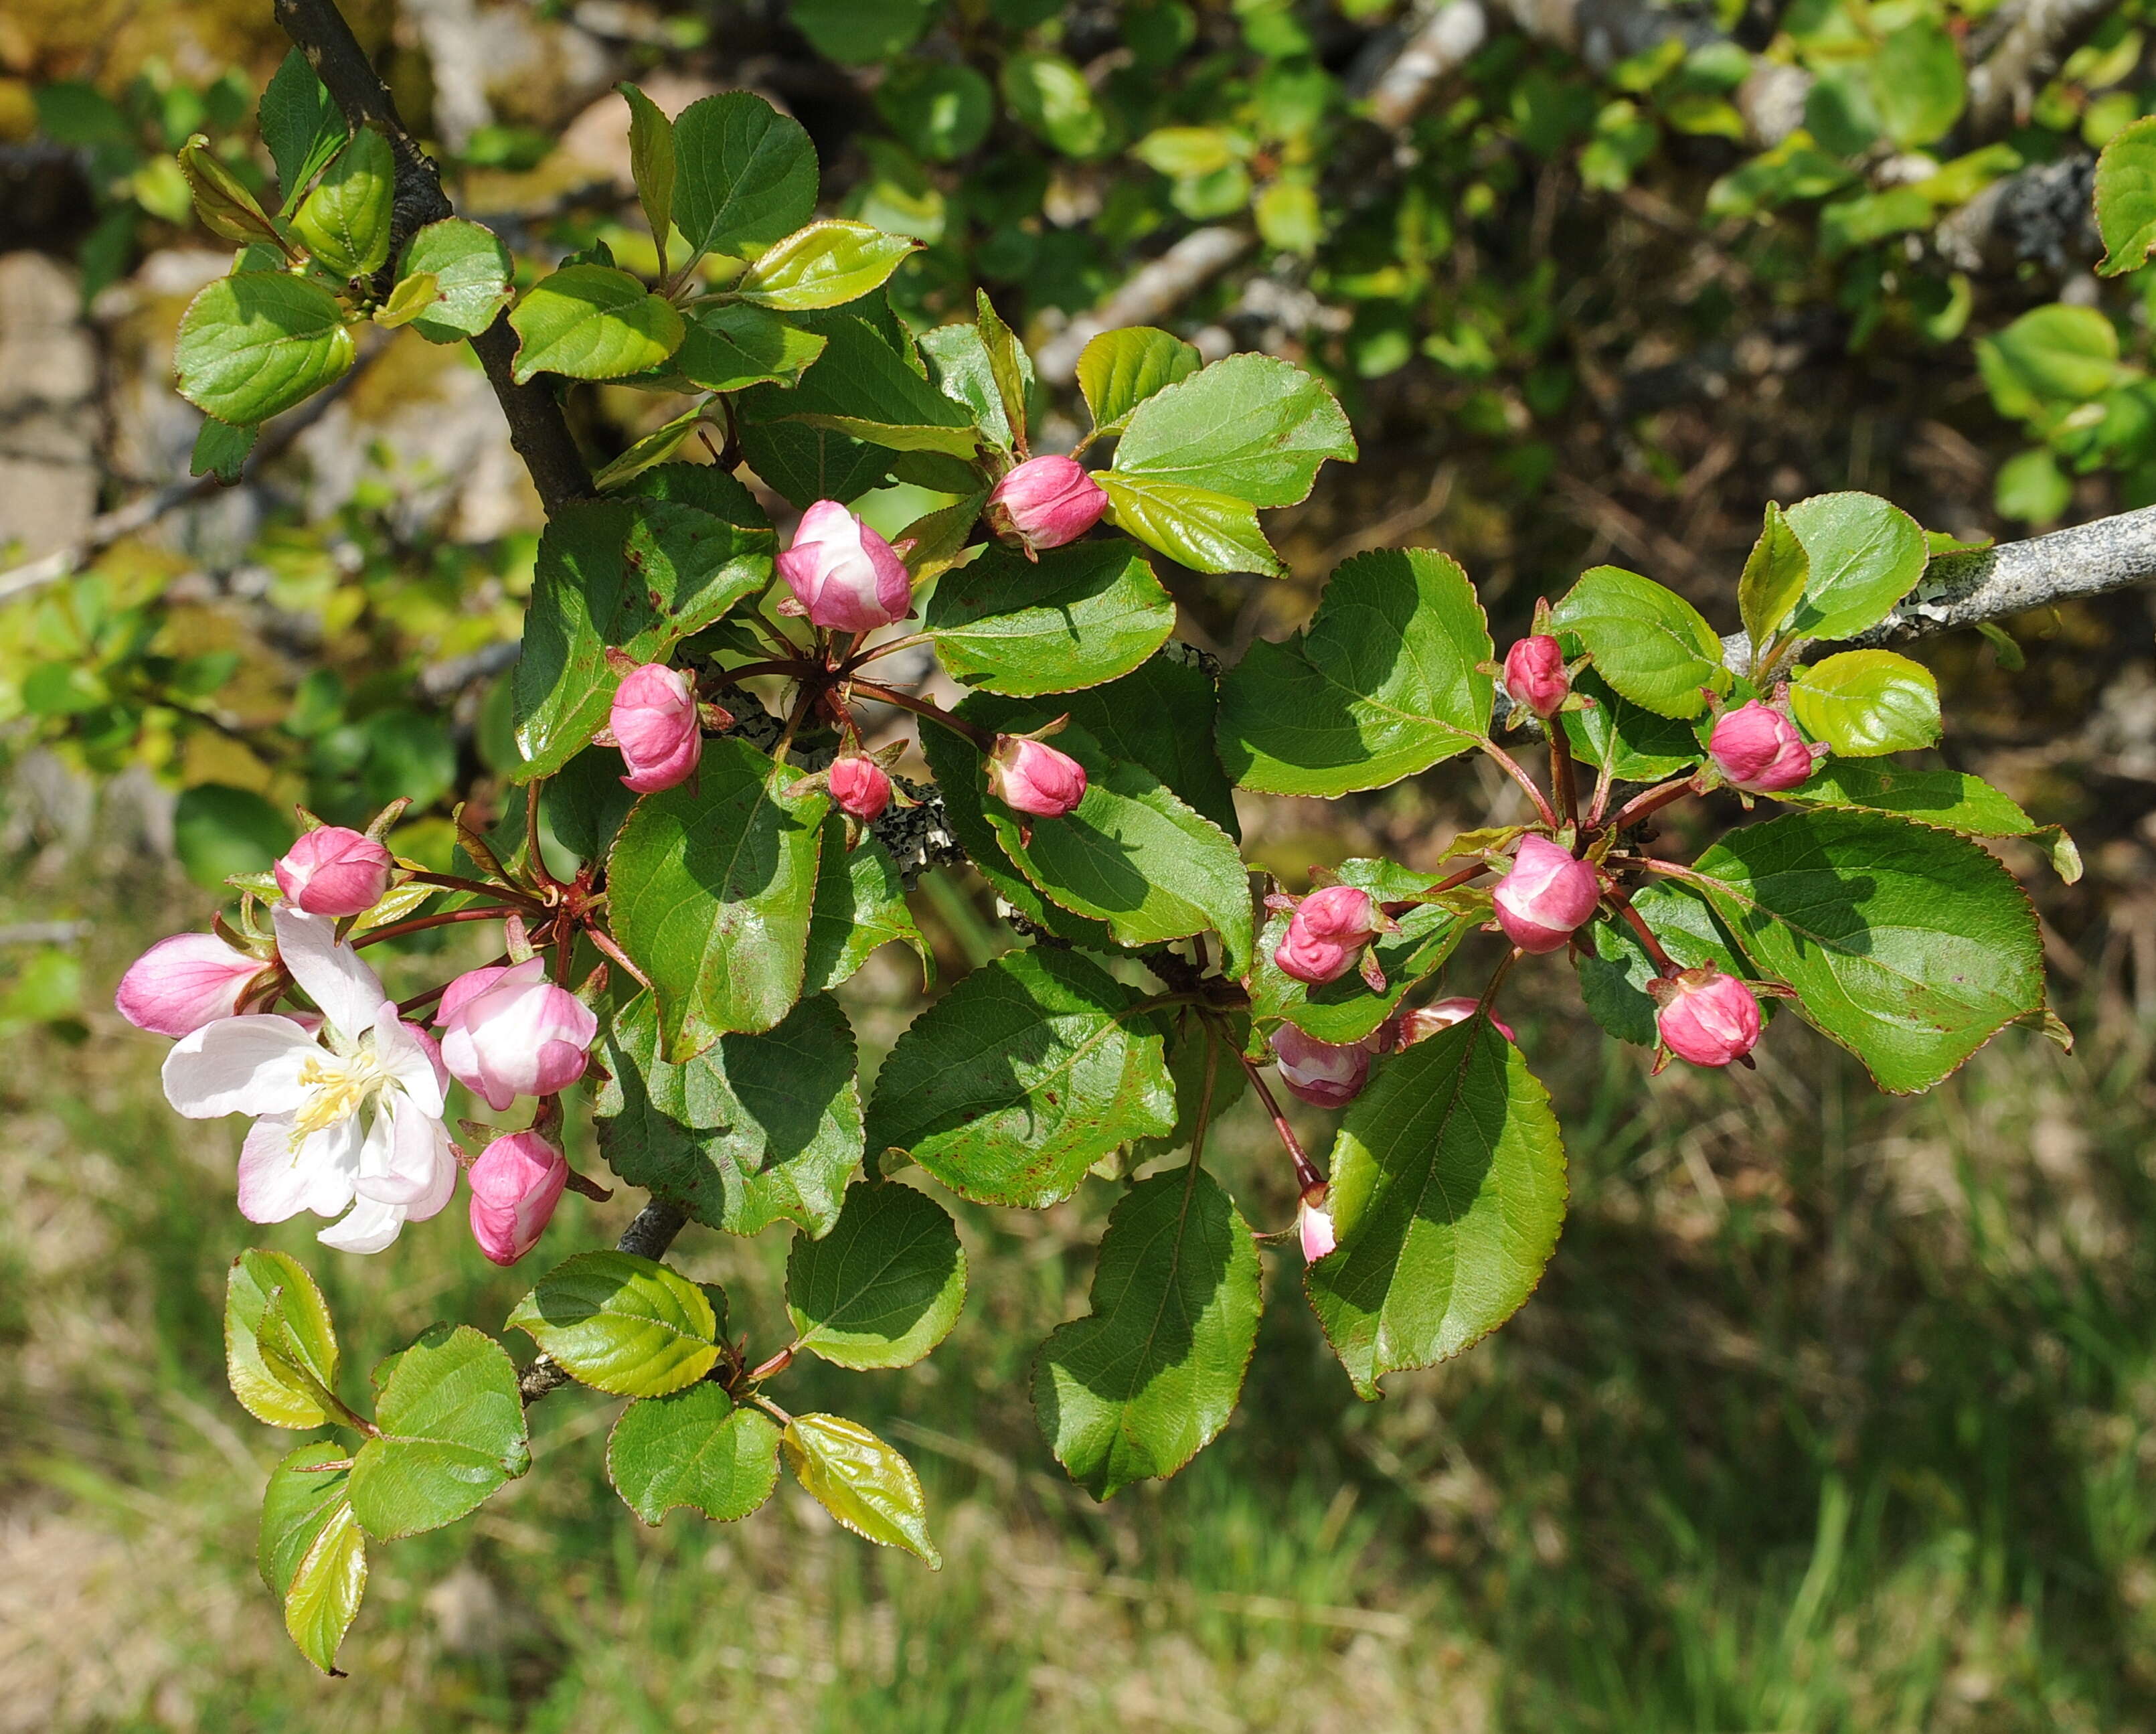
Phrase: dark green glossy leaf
pixel 744 174
pixel 860 905
pixel 1083 615
pixel 732 347
pixel 885 1286
pixel 1642 746
pixel 863 387
pixel 301 124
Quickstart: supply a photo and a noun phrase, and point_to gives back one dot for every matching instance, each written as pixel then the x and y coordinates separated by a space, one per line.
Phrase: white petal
pixel 331 974
pixel 238 1065
pixel 444 1187
pixel 368 1228
pixel 403 1053
pixel 397 1164
pixel 332 1156
pixel 273 1187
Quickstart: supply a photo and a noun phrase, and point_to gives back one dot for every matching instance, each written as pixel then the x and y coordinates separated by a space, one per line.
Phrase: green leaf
pixel 223 203
pixel 1023 1076
pixel 218 830
pixel 2050 361
pixel 1613 982
pixel 823 266
pixel 1009 364
pixel 452 1432
pixel 1253 427
pixel 1119 370
pixel 1448 1191
pixel 853 34
pixel 710 891
pixel 252 344
pixel 1642 746
pixel 859 907
pixel 591 322
pixel 1910 946
pixel 345 221
pixel 732 347
pixel 651 163
pixel 863 387
pixel 1081 616
pixel 1205 531
pixel 1051 98
pixel 410 298
pixel 1382 683
pixel 1147 1379
pixel 635 575
pixel 221 450
pixel 808 464
pixel 1188 1041
pixel 1862 703
pixel 941 112
pixel 1774 580
pixel 622 1324
pixel 1161 717
pixel 301 125
pixel 1864 556
pixel 990 384
pixel 471 272
pixel 1648 642
pixel 694 1449
pixel 885 1286
pixel 655 447
pixel 1949 798
pixel 745 175
pixel 2031 488
pixel 1917 83
pixel 1346 1010
pixel 311 1553
pixel 755 1129
pixel 2126 197
pixel 271 1294
pixel 861 1481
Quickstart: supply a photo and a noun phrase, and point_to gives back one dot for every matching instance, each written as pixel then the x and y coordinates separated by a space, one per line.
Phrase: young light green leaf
pixel 309 1550
pixel 745 175
pixel 755 1129
pixel 1384 682
pixel 591 322
pixel 651 164
pixel 1448 1193
pixel 452 1432
pixel 655 447
pixel 301 125
pixel 1910 946
pixel 1917 83
pixel 264 1287
pixel 1051 98
pixel 861 906
pixel 2050 362
pixel 1023 1076
pixel 885 1286
pixel 732 347
pixel 709 892
pixel 1079 616
pixel 1865 556
pixel 252 344
pixel 225 208
pixel 2126 197
pixel 1772 580
pixel 1119 370
pixel 1147 1379
pixel 412 296
pixel 823 266
pixel 1253 427
pixel 1649 643
pixel 861 1481
pixel 1346 1010
pixel 471 272
pixel 221 450
pixel 1862 703
pixel 1009 364
pixel 696 1448
pixel 345 221
pixel 622 1324
pixel 1205 531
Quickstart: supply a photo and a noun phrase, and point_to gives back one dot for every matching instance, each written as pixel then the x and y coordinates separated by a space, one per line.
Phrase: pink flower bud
pixel 1535 675
pixel 1047 501
pixel 1546 895
pixel 510 1032
pixel 1314 1225
pixel 843 575
pixel 1758 749
pixel 1326 935
pixel 655 725
pixel 861 788
pixel 334 872
pixel 1319 1073
pixel 180 984
pixel 1424 1021
pixel 515 1184
pixel 1708 1018
pixel 1032 777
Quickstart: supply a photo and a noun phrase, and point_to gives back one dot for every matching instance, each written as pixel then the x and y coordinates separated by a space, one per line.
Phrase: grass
pixel 1835 1412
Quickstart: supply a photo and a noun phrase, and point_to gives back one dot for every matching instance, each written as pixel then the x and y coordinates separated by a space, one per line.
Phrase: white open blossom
pixel 349 1119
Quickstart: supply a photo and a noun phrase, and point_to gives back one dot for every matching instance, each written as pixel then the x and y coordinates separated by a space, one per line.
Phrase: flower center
pixel 338 1086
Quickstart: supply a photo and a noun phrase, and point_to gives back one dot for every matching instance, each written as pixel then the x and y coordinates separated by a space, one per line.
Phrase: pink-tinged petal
pixel 444 1186
pixel 407 1055
pixel 471 983
pixel 369 1227
pixel 1314 1226
pixel 238 1065
pixel 273 1186
pixel 331 975
pixel 180 984
pixel 394 1167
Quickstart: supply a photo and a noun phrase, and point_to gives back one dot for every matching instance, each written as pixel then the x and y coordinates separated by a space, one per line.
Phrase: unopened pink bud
pixel 1706 1017
pixel 1547 894
pixel 1047 501
pixel 1758 749
pixel 1535 675
pixel 1326 933
pixel 861 788
pixel 509 1031
pixel 515 1184
pixel 333 871
pixel 1424 1021
pixel 180 984
pixel 842 574
pixel 1030 776
pixel 1321 1073
pixel 1313 1224
pixel 654 723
